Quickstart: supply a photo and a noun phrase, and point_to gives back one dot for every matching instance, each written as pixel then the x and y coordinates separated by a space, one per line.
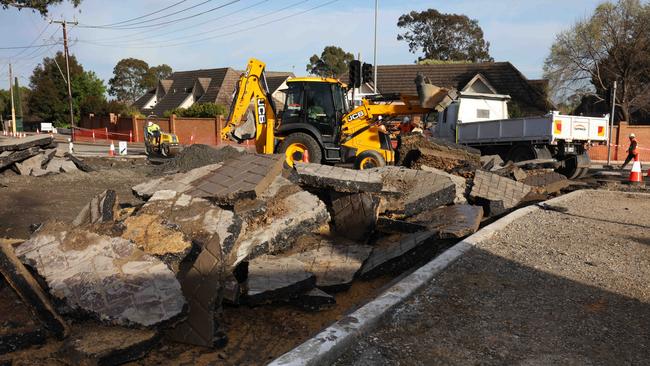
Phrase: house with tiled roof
pixel 487 79
pixel 184 88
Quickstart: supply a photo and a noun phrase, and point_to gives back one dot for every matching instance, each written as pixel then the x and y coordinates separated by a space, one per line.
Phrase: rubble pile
pixel 37 156
pixel 241 228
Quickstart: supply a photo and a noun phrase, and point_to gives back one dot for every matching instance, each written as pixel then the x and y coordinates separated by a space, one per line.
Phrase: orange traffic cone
pixel 305 156
pixel 111 149
pixel 636 176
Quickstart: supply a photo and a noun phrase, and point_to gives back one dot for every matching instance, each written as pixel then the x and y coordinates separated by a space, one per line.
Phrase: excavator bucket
pixel 432 96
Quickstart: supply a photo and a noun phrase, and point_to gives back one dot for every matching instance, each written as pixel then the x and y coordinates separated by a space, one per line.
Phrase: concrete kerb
pixel 329 344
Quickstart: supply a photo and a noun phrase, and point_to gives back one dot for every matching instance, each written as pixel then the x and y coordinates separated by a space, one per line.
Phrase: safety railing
pixel 99 134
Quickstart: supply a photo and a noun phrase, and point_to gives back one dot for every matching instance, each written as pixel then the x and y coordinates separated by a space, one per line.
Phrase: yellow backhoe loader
pixel 316 124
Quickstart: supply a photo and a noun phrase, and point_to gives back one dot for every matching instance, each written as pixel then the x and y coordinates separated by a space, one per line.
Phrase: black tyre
pixel 521 153
pixel 164 150
pixel 369 159
pixel 301 147
pixel 570 168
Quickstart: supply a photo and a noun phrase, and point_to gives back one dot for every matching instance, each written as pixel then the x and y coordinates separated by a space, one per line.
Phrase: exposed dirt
pixel 557 287
pixel 196 156
pixel 416 150
pixel 258 335
pixel 31 200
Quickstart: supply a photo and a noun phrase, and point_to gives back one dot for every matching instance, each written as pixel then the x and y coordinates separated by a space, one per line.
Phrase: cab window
pixel 293 104
pixel 319 105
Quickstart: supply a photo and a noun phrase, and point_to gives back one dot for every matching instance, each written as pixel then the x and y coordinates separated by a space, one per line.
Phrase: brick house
pixel 184 88
pixel 502 79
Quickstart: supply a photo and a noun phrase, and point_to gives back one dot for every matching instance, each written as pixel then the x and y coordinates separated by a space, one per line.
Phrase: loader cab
pixel 315 104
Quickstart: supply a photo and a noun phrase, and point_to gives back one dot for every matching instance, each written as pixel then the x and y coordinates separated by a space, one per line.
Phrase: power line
pixel 33 46
pixel 248 20
pixel 144 16
pixel 162 42
pixel 154 19
pixel 34 41
pixel 128 37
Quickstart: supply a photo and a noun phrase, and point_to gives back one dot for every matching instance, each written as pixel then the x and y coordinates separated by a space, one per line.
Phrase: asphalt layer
pixel 569 285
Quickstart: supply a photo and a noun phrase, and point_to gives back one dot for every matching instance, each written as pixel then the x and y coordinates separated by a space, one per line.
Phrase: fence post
pixel 218 122
pixel 134 127
pixel 106 132
pixel 172 123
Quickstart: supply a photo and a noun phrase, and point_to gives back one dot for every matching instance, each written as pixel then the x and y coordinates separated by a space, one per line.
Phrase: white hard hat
pixel 632 135
pixel 149 123
pixel 406 120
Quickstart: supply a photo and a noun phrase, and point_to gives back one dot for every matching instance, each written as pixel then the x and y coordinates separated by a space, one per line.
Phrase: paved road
pixel 553 288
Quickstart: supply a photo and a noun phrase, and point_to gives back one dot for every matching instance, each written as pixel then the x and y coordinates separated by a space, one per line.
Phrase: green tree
pixel 49 97
pixel 447 37
pixel 156 73
pixel 128 81
pixel 333 62
pixel 18 100
pixel 199 110
pixel 36 5
pixel 612 44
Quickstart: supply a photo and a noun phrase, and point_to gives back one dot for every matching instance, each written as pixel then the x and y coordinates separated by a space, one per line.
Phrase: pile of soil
pixel 416 150
pixel 196 156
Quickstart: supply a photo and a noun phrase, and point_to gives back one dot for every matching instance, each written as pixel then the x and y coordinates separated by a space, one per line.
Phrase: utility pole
pixel 374 80
pixel 11 92
pixel 64 24
pixel 611 126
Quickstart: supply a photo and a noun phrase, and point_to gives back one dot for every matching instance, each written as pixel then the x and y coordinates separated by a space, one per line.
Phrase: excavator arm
pixel 258 122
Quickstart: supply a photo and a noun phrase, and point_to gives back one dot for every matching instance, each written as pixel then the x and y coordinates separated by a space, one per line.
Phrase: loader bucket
pixel 432 96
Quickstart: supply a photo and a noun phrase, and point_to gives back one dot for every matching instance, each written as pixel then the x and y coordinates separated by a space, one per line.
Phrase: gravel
pixel 554 287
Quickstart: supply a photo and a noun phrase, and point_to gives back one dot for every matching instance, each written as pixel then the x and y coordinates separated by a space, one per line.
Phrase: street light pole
pixel 64 24
pixel 375 58
pixel 611 126
pixel 13 110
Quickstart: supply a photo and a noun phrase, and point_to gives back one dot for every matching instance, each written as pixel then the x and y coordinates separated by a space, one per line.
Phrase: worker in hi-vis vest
pixel 631 151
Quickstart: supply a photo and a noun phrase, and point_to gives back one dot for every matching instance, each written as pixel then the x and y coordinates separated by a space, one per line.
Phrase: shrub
pixel 199 110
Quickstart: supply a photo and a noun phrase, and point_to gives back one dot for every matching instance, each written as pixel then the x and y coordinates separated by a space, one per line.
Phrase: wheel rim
pixel 295 152
pixel 368 163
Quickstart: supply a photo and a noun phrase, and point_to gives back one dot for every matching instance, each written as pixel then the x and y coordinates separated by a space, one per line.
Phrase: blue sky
pixel 519 31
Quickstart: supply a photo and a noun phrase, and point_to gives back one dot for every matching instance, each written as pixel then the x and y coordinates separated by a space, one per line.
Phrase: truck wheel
pixel 296 145
pixel 369 159
pixel 570 168
pixel 521 153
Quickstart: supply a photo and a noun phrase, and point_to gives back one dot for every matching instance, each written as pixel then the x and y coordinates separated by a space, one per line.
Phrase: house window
pixel 482 113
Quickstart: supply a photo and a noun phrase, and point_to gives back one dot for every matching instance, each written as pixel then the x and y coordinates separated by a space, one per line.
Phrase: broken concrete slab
pixel 68 166
pixel 169 211
pixel 490 162
pixel 409 192
pixel 107 277
pixel 54 166
pixel 25 143
pixel 450 222
pixel 392 248
pixel 26 166
pixel 18 156
pixel 203 286
pixel 354 215
pixel 497 194
pixel 101 208
pixel 21 280
pixel 48 155
pixel 334 262
pixel 416 150
pixel 338 179
pixel 460 182
pixel 546 181
pixel 272 278
pixel 80 164
pixel 179 182
pixel 245 176
pixel 392 226
pixel 94 344
pixel 277 230
pixel 314 300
